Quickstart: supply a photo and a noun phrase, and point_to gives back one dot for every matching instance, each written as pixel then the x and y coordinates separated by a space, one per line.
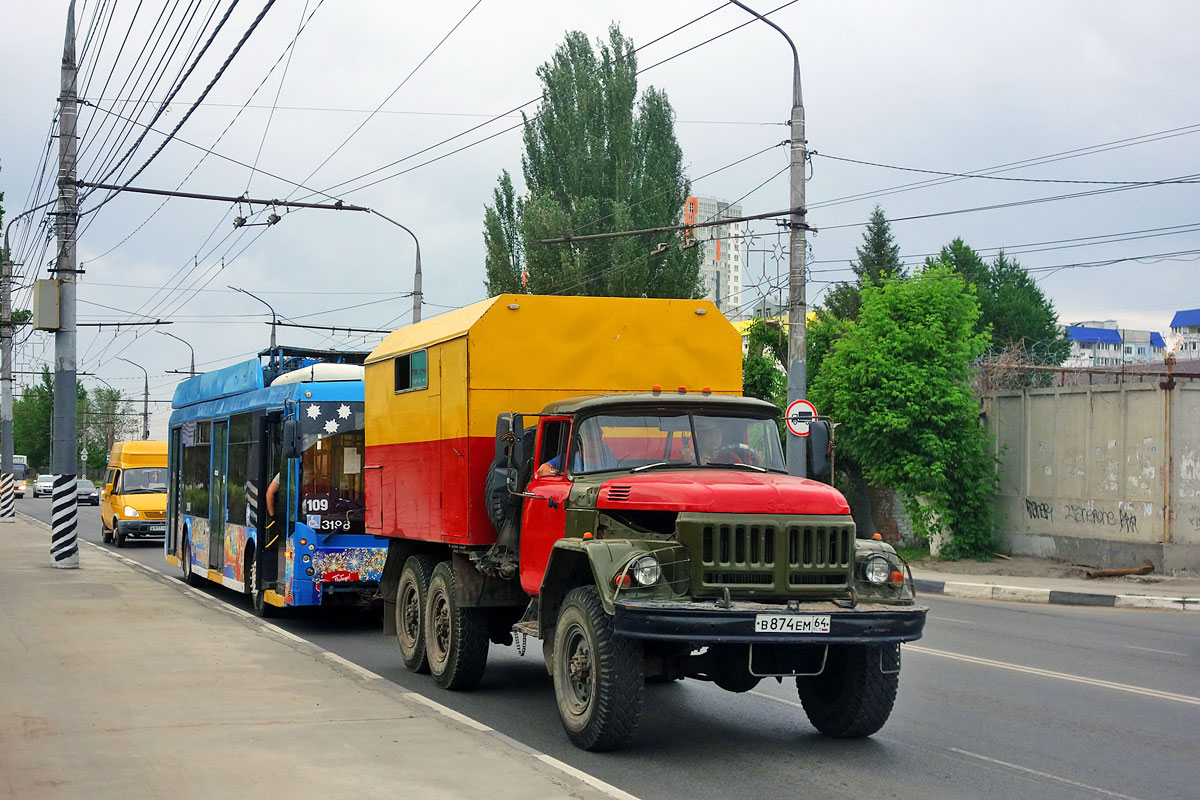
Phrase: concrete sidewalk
pixel 118 683
pixel 1179 594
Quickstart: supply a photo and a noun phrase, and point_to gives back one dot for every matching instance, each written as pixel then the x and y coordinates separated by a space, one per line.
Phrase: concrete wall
pixel 1106 476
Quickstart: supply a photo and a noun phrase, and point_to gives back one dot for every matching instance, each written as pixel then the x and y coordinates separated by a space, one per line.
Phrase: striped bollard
pixel 8 513
pixel 63 547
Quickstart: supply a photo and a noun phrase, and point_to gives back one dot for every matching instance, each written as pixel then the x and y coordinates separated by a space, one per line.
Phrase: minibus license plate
pixel 158 527
pixel 791 623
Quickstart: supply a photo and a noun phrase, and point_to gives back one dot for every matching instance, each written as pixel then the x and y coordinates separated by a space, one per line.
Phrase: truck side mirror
pixel 293 442
pixel 510 446
pixel 820 462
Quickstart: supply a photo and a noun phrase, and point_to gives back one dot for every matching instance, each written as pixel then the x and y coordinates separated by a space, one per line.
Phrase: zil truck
pixel 585 471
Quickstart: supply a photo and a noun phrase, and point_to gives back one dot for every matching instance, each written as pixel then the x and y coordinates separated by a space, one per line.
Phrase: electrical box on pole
pixel 45 305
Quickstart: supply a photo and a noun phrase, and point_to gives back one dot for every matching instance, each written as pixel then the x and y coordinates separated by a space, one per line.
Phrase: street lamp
pixel 798 303
pixel 191 371
pixel 417 294
pixel 265 303
pixel 145 397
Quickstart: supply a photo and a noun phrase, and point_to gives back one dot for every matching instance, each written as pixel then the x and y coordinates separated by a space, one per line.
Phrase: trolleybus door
pixel 216 497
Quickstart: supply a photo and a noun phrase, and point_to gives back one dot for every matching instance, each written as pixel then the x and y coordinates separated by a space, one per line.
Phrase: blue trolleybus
pixel 266 480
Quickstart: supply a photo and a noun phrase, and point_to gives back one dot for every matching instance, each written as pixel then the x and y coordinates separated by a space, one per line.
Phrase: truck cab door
pixel 544 516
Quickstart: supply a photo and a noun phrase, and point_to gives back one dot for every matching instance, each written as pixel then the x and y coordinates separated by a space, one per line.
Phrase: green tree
pixel 878 259
pixel 898 380
pixel 103 416
pixel 597 159
pixel 1013 308
pixel 763 374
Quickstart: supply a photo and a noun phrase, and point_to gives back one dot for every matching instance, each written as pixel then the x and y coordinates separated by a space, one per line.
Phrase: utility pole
pixel 146 396
pixel 192 369
pixel 7 510
pixel 65 454
pixel 417 294
pixel 265 303
pixel 797 301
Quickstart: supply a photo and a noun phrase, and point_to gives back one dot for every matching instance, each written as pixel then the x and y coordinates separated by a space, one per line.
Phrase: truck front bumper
pixel 704 623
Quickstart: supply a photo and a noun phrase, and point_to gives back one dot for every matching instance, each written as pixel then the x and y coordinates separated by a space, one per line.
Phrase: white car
pixel 44 485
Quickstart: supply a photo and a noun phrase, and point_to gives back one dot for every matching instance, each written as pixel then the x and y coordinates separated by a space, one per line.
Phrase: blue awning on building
pixel 1186 319
pixel 1078 333
pixel 1156 340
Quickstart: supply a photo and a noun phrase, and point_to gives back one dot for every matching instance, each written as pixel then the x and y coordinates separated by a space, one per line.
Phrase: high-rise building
pixel 724 252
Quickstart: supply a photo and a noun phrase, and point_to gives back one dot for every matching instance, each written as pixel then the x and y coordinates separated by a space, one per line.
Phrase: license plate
pixel 159 528
pixel 791 623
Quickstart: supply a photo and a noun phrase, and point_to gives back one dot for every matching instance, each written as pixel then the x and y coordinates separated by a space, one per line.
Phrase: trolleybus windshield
pixel 332 495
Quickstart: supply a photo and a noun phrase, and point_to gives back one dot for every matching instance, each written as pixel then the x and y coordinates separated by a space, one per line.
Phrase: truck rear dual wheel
pixel 598 676
pixel 456 638
pixel 411 596
pixel 853 697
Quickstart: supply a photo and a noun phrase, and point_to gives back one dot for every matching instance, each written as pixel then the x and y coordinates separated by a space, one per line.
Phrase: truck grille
pixel 783 555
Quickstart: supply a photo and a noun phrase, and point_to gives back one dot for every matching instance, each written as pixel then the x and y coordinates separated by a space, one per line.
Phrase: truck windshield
pixel 144 480
pixel 625 441
pixel 332 497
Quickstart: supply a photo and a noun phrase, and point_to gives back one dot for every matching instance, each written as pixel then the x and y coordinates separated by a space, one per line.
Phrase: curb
pixel 355 672
pixel 1025 594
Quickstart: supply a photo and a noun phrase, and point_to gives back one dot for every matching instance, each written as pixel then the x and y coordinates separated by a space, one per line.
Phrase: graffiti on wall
pixel 1126 521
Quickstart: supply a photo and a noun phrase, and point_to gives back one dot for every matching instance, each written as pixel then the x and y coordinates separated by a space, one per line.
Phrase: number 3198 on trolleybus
pixel 266 480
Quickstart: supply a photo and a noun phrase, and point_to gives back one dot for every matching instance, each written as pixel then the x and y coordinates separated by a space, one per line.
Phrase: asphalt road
pixel 999 700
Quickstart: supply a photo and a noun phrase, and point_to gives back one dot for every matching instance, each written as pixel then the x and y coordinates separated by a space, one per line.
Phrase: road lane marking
pixel 951 619
pixel 1152 650
pixel 1046 775
pixel 775 699
pixel 1046 673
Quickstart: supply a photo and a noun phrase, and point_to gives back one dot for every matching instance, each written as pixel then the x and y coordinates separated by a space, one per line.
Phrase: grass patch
pixel 912 554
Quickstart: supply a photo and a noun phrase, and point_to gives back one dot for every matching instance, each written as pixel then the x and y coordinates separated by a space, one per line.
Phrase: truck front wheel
pixel 411 596
pixel 456 638
pixel 598 679
pixel 853 696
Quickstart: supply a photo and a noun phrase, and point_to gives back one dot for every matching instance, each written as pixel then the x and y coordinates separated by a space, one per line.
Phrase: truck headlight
pixel 646 570
pixel 877 569
pixel 130 511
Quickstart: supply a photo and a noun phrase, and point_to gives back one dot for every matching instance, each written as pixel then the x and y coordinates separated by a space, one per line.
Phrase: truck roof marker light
pixel 683 390
pixel 623 580
pixel 878 536
pixel 513 306
pixel 587 534
pixel 656 389
pixel 706 390
pixel 700 312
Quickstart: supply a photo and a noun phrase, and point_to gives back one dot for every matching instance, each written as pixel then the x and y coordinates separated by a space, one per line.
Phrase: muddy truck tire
pixel 853 697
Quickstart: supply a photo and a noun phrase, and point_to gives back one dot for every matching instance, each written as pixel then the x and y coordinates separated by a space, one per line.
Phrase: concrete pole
pixel 192 369
pixel 417 293
pixel 7 510
pixel 65 454
pixel 797 369
pixel 145 397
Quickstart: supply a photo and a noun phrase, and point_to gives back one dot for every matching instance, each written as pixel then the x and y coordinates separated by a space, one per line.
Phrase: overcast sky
pixel 946 86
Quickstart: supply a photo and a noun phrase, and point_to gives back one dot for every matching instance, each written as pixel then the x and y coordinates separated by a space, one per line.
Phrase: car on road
pixel 43 486
pixel 19 489
pixel 86 492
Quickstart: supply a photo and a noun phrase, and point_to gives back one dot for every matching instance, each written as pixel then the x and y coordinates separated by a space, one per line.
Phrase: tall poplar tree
pixel 597 159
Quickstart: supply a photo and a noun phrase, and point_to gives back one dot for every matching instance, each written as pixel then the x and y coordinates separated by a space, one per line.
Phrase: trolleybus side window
pixel 243 457
pixel 196 472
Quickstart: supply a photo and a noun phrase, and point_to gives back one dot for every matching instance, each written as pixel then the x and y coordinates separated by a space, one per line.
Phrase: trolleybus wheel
pixel 410 610
pixel 258 595
pixel 598 676
pixel 456 638
pixel 852 698
pixel 185 562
